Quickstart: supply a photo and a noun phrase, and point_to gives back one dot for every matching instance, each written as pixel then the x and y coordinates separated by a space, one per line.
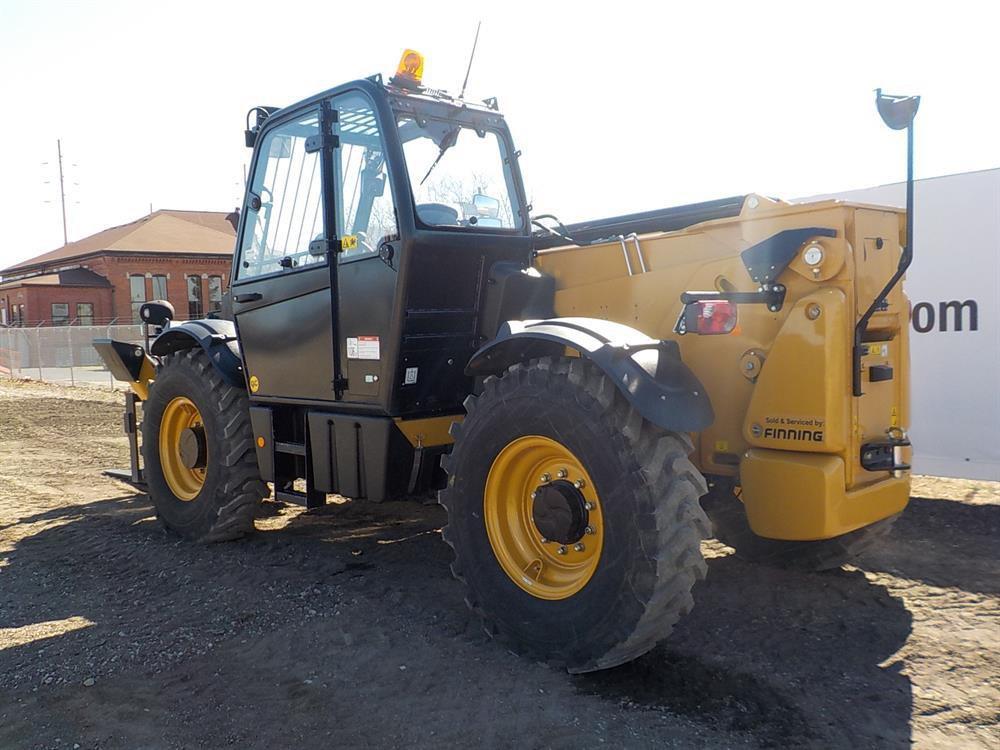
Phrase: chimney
pixel 234 218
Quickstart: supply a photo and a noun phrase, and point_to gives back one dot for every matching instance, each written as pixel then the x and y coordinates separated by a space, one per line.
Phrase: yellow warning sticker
pixel 722 445
pixel 349 242
pixel 894 417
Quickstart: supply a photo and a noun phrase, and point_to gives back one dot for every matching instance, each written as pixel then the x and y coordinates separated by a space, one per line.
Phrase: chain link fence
pixel 62 354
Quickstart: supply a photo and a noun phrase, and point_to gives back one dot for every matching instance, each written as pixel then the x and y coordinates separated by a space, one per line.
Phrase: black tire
pixel 224 508
pixel 729 520
pixel 649 493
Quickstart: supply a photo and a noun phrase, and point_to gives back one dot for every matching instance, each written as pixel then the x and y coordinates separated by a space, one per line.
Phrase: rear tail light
pixel 710 317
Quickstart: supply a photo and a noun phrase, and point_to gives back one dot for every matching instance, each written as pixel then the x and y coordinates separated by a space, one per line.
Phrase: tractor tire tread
pixel 240 490
pixel 670 531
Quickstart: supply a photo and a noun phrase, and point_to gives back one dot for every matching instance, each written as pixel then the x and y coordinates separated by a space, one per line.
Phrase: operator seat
pixel 437 214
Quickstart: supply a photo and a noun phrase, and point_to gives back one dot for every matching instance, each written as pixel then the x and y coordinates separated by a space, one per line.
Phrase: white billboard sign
pixel 954 287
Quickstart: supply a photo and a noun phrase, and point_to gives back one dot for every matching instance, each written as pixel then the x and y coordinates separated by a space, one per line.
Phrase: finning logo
pixel 808 429
pixel 783 433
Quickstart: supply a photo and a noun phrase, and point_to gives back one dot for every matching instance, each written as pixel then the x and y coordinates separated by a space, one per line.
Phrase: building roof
pixel 69 277
pixel 163 231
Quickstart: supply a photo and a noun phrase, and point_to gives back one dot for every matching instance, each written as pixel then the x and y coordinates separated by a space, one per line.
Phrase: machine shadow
pixel 795 659
pixel 944 543
pixel 791 659
pixel 121 505
pixel 87 560
pixel 101 589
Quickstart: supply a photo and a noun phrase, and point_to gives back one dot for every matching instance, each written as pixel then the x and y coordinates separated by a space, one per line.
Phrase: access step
pixel 309 499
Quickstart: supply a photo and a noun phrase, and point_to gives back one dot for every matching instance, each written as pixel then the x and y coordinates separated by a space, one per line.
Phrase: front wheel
pixel 575 524
pixel 197 449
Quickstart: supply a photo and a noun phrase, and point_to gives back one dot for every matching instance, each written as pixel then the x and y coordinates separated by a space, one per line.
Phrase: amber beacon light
pixel 411 69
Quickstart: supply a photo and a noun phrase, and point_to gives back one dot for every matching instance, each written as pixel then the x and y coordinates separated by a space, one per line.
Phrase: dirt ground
pixel 343 628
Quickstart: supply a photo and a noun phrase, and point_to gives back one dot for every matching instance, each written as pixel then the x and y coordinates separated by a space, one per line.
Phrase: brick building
pixel 180 256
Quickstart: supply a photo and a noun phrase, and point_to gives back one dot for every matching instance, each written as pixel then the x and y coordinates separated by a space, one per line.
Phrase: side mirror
pixel 486 205
pixel 896 111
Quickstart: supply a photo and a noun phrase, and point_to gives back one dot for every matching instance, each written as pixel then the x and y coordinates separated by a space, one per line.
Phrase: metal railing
pixel 61 354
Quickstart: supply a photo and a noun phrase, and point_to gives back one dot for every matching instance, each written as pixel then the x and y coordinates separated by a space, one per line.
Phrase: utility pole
pixel 62 192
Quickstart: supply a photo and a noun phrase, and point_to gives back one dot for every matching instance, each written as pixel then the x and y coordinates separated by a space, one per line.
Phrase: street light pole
pixel 62 192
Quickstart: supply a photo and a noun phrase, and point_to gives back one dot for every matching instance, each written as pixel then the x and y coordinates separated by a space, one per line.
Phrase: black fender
pixel 217 337
pixel 648 372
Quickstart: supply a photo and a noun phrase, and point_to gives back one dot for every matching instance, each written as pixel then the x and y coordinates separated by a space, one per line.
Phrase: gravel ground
pixel 343 627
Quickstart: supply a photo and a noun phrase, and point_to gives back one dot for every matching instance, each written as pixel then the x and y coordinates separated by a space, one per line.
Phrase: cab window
pixel 460 175
pixel 286 182
pixel 365 208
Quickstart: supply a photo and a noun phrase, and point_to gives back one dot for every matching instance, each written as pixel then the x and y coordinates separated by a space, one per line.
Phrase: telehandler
pixel 400 323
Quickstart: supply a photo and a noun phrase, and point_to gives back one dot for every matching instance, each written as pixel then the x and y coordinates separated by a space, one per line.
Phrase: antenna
pixel 471 56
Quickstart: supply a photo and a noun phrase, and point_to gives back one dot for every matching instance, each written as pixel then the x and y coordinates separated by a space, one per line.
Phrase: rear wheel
pixel 575 524
pixel 197 448
pixel 731 527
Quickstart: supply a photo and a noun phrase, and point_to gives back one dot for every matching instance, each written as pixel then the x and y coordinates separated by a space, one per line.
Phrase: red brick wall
pixel 116 302
pixel 117 269
pixel 38 301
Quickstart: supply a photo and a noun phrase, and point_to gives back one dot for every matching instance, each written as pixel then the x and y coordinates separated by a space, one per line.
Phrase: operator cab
pixel 374 215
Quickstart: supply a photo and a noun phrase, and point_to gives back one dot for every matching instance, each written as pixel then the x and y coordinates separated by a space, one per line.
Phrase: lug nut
pixel 546 477
pixel 534 495
pixel 588 505
pixel 579 484
pixel 562 473
pixel 579 547
pixel 543 540
pixel 589 530
pixel 561 550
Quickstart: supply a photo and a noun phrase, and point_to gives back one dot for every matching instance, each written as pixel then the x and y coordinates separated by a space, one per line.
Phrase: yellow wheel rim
pixel 180 414
pixel 545 568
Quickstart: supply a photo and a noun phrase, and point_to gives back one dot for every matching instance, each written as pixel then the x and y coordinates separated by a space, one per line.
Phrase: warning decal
pixel 363 347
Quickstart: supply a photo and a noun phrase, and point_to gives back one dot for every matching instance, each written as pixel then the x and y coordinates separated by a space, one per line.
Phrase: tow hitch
pixel 886 454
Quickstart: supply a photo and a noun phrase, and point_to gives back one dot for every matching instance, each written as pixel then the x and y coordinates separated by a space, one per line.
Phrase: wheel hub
pixel 192 447
pixel 543 517
pixel 183 448
pixel 559 512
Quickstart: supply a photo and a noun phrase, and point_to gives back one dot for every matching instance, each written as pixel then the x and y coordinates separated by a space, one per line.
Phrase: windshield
pixel 459 175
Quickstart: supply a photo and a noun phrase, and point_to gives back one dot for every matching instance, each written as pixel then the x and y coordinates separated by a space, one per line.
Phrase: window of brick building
pixel 195 309
pixel 60 313
pixel 137 293
pixel 85 313
pixel 214 294
pixel 159 287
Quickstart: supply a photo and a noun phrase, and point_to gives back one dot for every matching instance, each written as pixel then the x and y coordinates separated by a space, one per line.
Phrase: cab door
pixel 282 300
pixel 301 338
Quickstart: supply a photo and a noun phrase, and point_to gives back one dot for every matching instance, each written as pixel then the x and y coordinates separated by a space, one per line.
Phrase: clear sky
pixel 627 108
